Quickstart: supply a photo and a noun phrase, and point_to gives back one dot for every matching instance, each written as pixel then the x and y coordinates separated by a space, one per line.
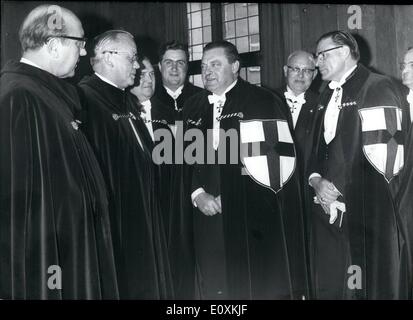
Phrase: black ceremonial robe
pixel 304 127
pixel 112 126
pixel 263 231
pixel 404 201
pixel 53 204
pixel 176 206
pixel 187 91
pixel 366 257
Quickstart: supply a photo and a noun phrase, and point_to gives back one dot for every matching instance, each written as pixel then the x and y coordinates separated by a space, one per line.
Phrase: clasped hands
pixel 208 204
pixel 326 196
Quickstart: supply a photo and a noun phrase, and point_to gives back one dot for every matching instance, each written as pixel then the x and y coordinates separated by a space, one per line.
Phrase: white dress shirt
pixel 295 103
pixel 333 110
pixel 147 117
pixel 410 101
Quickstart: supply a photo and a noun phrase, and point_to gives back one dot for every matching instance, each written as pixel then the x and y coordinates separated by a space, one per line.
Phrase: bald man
pixel 299 73
pixel 55 238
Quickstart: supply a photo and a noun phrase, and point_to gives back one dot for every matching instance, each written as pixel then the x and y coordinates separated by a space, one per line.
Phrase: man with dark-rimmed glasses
pixel 359 245
pixel 123 147
pixel 55 238
pixel 299 73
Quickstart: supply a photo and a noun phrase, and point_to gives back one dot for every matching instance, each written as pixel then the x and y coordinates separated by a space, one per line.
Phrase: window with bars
pixel 235 22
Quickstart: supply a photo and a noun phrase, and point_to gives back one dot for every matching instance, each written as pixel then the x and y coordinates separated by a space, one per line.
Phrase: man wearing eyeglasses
pixel 55 238
pixel 123 147
pixel 359 242
pixel 299 73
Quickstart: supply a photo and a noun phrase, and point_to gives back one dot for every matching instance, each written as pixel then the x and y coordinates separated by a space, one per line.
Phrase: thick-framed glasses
pixel 406 65
pixel 80 41
pixel 179 63
pixel 322 54
pixel 305 71
pixel 132 59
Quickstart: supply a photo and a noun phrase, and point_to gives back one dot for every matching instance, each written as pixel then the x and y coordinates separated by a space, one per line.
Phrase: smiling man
pixel 55 238
pixel 175 88
pixel 248 223
pixel 359 241
pixel 299 73
pixel 123 147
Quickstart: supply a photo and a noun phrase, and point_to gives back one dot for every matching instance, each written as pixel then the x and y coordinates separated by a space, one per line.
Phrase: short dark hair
pixel 173 45
pixel 343 38
pixel 230 49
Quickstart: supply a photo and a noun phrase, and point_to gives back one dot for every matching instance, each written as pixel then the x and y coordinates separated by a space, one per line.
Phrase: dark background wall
pixel 151 23
pixel 386 30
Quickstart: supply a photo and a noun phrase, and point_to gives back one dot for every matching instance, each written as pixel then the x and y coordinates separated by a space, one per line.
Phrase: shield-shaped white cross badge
pixel 269 154
pixel 383 139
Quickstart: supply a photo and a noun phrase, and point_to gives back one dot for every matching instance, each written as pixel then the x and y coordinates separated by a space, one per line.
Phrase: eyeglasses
pixel 323 53
pixel 297 70
pixel 151 74
pixel 179 63
pixel 404 65
pixel 80 41
pixel 132 59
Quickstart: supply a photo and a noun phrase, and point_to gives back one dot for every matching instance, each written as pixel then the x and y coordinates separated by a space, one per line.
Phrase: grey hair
pixel 40 24
pixel 299 52
pixel 106 41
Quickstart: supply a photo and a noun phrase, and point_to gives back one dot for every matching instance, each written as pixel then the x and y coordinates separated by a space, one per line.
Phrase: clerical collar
pixel 174 94
pixel 108 81
pixel 232 85
pixel 30 63
pixel 299 97
pixel 345 76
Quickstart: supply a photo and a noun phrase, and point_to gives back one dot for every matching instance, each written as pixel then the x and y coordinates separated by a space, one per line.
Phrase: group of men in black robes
pixel 276 205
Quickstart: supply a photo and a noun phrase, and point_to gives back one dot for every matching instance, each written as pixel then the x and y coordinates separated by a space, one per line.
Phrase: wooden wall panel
pixel 316 19
pixel 291 28
pixel 386 51
pixel 272 45
pixel 403 18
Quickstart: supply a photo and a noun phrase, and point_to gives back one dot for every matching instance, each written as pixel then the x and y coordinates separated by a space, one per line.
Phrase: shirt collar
pixel 410 96
pixel 174 94
pixel 232 85
pixel 301 95
pixel 107 81
pixel 146 104
pixel 31 63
